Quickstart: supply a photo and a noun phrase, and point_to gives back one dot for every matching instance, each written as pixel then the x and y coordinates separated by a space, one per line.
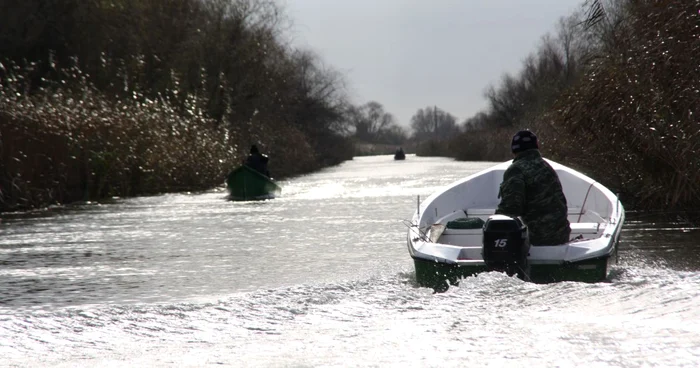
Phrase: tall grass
pixel 625 107
pixel 133 97
pixel 68 141
pixel 482 145
pixel 634 122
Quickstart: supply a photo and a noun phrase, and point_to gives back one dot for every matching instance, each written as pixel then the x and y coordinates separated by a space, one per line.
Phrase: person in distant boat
pixel 399 154
pixel 257 161
pixel 531 189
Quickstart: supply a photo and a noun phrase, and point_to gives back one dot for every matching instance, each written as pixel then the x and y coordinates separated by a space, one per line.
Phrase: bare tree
pixel 607 26
pixel 370 121
pixel 433 123
pixel 394 134
pixel 479 121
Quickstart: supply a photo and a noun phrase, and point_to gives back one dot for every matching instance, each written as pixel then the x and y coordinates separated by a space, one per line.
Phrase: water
pixel 321 278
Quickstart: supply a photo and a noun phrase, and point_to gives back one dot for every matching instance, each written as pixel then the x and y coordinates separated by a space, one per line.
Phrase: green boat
pixel 450 234
pixel 246 184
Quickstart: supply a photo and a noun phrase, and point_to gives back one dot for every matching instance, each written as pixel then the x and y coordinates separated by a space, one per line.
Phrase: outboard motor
pixel 505 245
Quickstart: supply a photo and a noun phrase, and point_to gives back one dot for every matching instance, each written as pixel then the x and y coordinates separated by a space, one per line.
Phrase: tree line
pixel 613 92
pixel 429 127
pixel 135 97
pixel 132 97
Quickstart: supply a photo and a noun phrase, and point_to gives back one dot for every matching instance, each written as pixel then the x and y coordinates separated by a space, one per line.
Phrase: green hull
pixel 439 276
pixel 245 184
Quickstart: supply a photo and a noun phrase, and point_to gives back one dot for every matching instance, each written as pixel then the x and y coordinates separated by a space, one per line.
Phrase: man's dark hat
pixel 523 140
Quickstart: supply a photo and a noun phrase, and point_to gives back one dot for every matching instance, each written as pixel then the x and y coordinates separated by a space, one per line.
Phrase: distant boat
pixel 399 155
pixel 246 184
pixel 455 234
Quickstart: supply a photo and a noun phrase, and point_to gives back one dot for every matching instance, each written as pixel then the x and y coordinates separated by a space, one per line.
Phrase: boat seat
pixel 491 211
pixel 584 227
pixel 450 231
pixel 480 211
pixel 473 237
pixel 576 228
pixel 574 214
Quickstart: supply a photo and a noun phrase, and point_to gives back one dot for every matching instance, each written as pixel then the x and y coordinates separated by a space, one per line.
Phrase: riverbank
pixel 373 149
pixel 157 100
pixel 605 98
pixel 58 148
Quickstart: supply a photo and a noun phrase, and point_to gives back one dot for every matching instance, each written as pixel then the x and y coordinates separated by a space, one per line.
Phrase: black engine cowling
pixel 506 245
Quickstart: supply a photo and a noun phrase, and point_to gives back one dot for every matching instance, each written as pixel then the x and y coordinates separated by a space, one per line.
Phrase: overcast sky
pixel 409 54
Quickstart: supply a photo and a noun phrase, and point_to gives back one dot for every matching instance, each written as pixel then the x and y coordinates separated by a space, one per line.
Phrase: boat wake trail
pixel 323 324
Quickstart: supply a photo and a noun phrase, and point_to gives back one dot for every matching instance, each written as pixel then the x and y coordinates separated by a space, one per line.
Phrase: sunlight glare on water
pixel 321 277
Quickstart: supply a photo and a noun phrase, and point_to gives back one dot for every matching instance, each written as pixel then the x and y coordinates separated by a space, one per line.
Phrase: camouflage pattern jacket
pixel 531 189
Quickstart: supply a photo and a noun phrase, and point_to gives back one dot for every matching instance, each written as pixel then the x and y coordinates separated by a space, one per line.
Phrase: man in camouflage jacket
pixel 531 189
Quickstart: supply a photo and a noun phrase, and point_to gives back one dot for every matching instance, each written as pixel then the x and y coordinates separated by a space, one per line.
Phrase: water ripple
pixel 321 277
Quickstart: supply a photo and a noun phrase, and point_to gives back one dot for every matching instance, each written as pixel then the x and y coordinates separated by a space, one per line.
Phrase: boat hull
pixel 246 184
pixel 439 275
pixel 444 253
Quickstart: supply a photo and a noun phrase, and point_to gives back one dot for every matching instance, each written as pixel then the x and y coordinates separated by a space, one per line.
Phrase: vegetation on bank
pixel 132 97
pixel 371 149
pixel 374 130
pixel 616 94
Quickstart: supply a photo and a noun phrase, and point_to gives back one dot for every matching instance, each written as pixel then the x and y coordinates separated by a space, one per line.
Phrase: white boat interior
pixel 595 215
